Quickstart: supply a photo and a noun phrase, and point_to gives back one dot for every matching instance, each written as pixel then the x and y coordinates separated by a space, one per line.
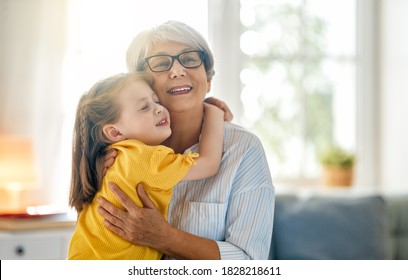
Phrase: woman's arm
pixel 211 144
pixel 147 227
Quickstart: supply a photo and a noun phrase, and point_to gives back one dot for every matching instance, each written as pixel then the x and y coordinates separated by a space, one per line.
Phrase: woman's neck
pixel 186 132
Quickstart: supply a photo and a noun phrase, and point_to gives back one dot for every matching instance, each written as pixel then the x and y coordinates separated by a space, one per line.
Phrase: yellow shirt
pixel 159 169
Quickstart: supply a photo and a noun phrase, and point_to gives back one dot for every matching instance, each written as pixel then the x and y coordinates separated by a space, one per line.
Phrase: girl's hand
pixel 214 111
pixel 108 160
pixel 228 116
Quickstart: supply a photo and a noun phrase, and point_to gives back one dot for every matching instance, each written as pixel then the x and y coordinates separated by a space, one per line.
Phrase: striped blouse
pixel 235 207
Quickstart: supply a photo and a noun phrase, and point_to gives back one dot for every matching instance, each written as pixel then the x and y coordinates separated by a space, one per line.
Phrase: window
pixel 298 76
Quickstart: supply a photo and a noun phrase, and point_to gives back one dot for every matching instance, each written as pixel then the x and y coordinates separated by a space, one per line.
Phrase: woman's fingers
pixel 111 213
pixel 109 158
pixel 138 225
pixel 122 197
pixel 110 221
pixel 147 202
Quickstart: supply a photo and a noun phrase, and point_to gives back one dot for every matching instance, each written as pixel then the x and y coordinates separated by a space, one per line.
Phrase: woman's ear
pixel 112 133
pixel 208 86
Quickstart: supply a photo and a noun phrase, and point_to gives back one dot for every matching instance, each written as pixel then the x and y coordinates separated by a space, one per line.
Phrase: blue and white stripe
pixel 236 206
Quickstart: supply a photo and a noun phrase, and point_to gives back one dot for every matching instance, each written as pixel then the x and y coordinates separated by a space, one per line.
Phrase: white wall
pixel 393 73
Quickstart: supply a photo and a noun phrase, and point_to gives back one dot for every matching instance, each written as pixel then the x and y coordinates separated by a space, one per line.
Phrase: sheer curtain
pixel 32 49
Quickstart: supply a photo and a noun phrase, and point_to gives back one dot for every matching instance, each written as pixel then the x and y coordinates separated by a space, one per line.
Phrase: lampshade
pixel 16 161
pixel 17 172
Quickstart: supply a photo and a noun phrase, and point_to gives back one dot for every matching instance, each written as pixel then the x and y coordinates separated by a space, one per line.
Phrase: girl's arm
pixel 211 144
pixel 228 116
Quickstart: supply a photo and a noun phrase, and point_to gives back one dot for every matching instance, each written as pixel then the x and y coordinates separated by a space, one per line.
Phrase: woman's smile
pixel 185 89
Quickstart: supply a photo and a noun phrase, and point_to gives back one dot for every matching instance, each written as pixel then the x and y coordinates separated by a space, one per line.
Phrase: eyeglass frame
pixel 176 57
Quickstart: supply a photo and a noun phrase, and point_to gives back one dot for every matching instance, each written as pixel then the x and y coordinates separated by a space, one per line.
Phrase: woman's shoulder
pixel 237 134
pixel 232 127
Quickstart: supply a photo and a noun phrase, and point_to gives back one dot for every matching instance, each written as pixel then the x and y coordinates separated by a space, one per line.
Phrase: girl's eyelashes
pixel 144 107
pixel 147 105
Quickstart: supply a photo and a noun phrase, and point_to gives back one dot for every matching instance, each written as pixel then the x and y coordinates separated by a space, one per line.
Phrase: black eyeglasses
pixel 164 62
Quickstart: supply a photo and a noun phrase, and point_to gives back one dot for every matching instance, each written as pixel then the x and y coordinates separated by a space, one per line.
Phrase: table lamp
pixel 17 171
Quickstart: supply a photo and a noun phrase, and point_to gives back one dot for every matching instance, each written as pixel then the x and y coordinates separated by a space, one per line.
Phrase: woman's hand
pixel 228 116
pixel 108 160
pixel 143 226
pixel 147 227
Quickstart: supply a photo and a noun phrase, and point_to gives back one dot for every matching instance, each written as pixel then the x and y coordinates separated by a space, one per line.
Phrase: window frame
pixel 224 36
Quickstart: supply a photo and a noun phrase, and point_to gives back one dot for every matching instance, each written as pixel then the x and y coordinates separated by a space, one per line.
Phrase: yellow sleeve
pixel 168 168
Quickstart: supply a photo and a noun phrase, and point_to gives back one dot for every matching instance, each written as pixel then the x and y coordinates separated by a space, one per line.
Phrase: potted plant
pixel 338 165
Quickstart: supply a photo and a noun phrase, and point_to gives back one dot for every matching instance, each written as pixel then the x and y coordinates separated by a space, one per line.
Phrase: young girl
pixel 124 113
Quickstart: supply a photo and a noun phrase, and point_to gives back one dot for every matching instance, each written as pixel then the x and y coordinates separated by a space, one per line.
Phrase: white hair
pixel 174 31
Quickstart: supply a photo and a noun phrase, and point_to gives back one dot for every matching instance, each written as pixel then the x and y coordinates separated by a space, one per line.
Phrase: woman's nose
pixel 177 70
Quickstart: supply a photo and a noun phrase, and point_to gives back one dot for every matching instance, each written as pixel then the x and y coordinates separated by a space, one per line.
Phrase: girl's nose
pixel 158 109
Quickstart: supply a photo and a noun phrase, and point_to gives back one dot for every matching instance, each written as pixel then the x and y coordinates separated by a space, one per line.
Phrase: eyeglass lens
pixel 160 63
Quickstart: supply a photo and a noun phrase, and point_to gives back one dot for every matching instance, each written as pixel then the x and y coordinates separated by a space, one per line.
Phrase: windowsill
pixel 318 189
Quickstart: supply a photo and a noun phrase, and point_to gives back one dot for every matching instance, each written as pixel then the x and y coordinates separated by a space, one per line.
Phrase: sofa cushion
pixel 398 211
pixel 331 228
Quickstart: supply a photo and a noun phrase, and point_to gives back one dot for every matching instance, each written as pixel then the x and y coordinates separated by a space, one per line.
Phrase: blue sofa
pixel 340 227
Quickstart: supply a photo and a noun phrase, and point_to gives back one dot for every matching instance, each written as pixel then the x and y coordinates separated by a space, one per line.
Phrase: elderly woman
pixel 227 216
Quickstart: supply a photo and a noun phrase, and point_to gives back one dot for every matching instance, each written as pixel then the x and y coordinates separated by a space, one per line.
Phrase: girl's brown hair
pixel 96 108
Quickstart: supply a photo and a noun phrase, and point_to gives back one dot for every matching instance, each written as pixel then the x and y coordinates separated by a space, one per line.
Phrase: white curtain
pixel 32 49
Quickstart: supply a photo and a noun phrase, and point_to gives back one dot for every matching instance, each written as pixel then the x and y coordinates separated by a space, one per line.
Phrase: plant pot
pixel 336 176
